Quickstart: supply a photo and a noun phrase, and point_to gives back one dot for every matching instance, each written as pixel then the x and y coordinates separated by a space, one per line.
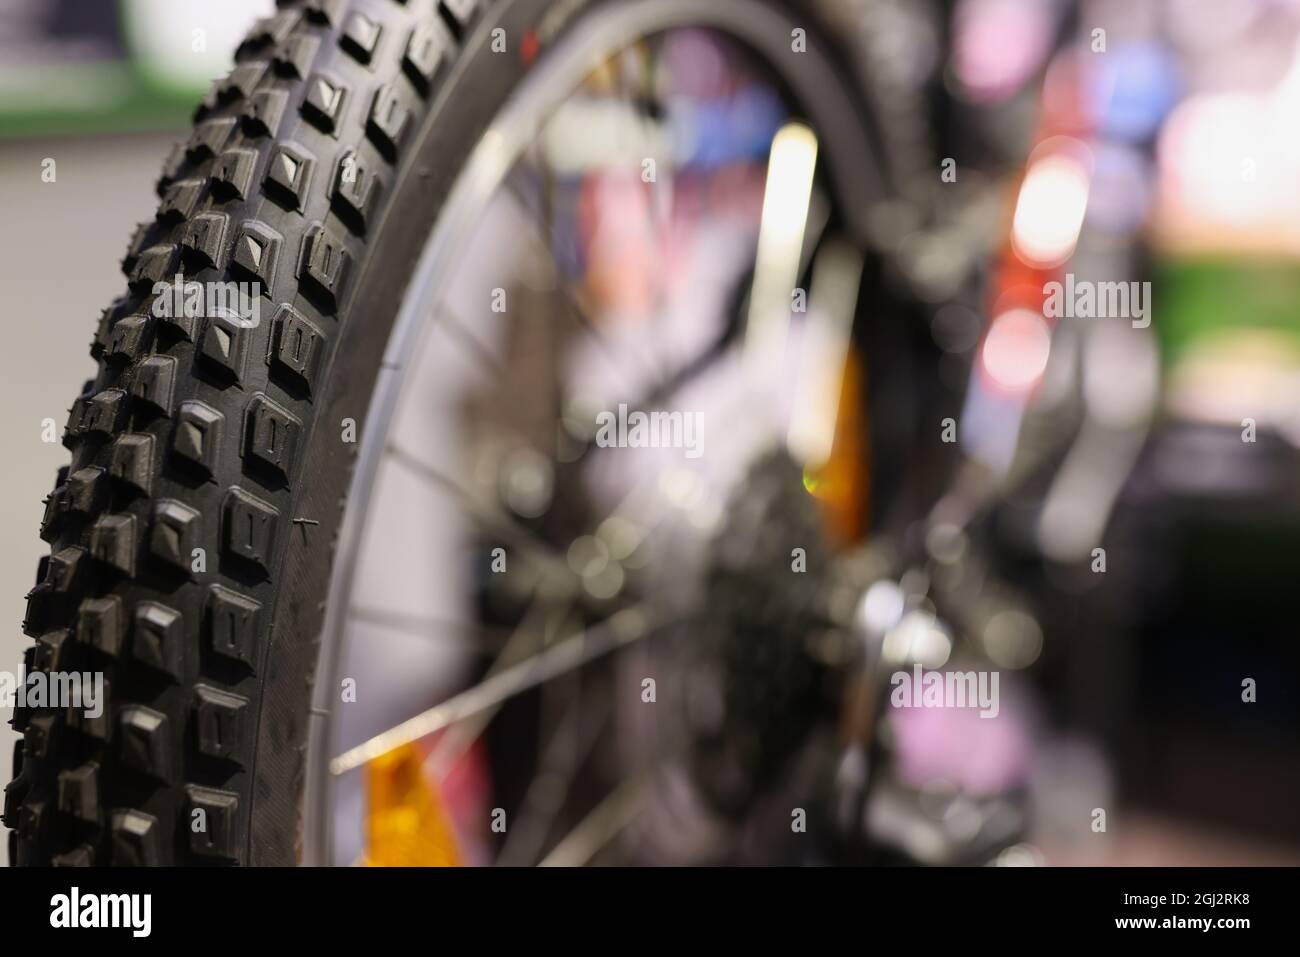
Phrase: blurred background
pixel 1152 142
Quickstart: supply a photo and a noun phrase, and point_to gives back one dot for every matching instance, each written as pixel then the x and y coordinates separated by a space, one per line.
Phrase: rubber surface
pixel 169 528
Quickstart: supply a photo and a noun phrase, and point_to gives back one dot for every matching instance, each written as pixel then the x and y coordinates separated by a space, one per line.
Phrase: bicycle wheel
pixel 402 186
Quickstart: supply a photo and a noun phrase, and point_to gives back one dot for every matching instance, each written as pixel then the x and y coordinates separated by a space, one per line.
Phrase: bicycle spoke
pixel 461 330
pixel 574 307
pixel 495 522
pixel 622 629
pixel 564 754
pixel 605 822
pixel 523 642
pixel 434 628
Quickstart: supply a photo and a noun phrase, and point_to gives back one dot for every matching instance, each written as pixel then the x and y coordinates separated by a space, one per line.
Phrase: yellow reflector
pixel 407 824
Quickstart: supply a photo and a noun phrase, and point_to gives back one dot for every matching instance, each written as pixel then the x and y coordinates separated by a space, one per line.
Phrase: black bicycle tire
pixel 209 673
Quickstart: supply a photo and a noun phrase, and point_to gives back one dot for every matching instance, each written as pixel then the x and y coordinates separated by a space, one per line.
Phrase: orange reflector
pixel 842 485
pixel 407 824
